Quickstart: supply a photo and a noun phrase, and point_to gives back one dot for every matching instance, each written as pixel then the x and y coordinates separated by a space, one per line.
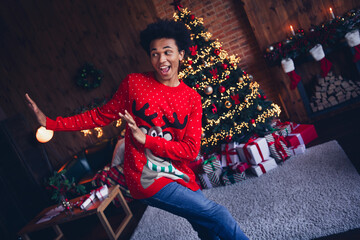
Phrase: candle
pixel 292 30
pixel 332 13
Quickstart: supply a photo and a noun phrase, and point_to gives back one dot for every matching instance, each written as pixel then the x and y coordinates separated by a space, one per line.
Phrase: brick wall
pixel 227 21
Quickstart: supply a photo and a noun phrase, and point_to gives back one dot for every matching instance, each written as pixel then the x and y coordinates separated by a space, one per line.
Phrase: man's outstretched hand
pixel 38 113
pixel 136 131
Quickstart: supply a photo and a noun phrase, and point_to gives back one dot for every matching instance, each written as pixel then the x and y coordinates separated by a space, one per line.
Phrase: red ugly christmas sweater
pixel 171 118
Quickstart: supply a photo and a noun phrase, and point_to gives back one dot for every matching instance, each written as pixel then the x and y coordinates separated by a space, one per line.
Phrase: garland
pixel 89 77
pixel 328 34
pixel 60 186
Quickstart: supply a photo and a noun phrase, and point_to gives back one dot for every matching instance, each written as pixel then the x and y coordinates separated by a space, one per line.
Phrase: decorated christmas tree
pixel 234 107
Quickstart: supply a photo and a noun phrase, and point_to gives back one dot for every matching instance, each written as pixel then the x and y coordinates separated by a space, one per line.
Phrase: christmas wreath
pixel 89 77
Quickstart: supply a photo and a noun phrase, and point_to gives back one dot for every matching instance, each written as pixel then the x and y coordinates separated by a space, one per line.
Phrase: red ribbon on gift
pixel 357 53
pixel 279 148
pixel 228 153
pixel 240 167
pixel 246 152
pixel 262 168
pixel 325 67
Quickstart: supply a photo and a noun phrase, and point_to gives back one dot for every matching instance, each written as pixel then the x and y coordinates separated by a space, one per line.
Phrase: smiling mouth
pixel 165 69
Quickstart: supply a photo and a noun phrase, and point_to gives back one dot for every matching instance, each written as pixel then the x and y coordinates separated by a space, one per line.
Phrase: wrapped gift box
pixel 212 164
pixel 240 167
pixel 89 200
pixel 300 149
pixel 254 151
pixel 264 167
pixel 229 155
pixel 307 131
pixel 102 192
pixel 230 177
pixel 212 169
pixel 294 140
pixel 209 180
pixel 277 146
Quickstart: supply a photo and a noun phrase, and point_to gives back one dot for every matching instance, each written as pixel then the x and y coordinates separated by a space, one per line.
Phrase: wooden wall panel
pixel 270 21
pixel 44 43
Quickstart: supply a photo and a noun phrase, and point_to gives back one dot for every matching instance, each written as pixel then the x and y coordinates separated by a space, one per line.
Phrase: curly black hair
pixel 166 29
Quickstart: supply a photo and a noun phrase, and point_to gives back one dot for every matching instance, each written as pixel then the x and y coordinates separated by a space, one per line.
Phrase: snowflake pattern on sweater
pixel 171 119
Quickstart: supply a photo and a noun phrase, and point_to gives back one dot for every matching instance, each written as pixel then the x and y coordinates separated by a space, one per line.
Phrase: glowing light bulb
pixel 44 135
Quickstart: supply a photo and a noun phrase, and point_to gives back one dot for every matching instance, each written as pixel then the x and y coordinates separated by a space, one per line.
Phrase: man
pixel 163 133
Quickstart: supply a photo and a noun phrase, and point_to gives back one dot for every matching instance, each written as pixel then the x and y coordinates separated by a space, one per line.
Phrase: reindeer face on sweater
pixel 156 166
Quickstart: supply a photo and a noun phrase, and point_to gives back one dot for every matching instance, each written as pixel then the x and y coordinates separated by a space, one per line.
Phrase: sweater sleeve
pixel 96 117
pixel 186 149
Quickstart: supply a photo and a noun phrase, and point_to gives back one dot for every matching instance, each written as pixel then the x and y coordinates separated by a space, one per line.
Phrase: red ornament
pixel 217 51
pixel 264 97
pixel 224 66
pixel 259 96
pixel 197 85
pixel 252 121
pixel 227 76
pixel 190 62
pixel 193 50
pixel 192 17
pixel 222 89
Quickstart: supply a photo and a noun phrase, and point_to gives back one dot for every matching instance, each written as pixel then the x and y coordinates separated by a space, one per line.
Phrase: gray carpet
pixel 311 195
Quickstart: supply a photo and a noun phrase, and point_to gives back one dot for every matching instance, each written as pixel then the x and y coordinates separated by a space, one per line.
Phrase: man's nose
pixel 162 58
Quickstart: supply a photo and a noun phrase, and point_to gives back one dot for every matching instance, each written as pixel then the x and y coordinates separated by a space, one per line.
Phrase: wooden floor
pixel 343 127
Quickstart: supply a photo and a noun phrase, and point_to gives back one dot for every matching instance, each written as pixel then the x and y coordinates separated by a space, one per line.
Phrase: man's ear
pixel 182 54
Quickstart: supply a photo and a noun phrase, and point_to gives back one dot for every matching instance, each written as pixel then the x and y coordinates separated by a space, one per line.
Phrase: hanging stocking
pixel 318 54
pixel 289 68
pixel 353 40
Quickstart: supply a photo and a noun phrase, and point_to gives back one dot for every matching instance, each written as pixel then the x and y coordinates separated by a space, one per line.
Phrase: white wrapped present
pixel 254 151
pixel 300 149
pixel 102 192
pixel 229 155
pixel 88 201
pixel 264 167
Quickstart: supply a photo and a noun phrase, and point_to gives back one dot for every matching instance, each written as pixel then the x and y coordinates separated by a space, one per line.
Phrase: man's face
pixel 165 58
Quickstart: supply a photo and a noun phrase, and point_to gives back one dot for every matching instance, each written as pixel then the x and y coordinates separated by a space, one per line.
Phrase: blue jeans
pixel 209 219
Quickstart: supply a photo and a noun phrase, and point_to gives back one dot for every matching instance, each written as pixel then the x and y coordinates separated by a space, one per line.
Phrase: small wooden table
pixel 97 207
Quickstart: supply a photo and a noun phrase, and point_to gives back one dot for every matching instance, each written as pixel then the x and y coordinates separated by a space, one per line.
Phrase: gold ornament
pixel 203 135
pixel 208 90
pixel 228 104
pixel 211 59
pixel 259 107
pixel 246 100
pixel 203 77
pixel 241 79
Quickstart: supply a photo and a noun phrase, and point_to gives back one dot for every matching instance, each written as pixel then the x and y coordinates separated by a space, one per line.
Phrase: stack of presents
pixel 257 156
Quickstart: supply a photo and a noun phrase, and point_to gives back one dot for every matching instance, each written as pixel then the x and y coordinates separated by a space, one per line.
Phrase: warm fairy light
pixel 332 13
pixel 292 30
pixel 118 123
pixel 86 132
pixel 99 132
pixel 44 135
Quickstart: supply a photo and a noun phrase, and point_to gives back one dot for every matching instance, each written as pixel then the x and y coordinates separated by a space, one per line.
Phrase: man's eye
pixel 168 52
pixel 154 54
